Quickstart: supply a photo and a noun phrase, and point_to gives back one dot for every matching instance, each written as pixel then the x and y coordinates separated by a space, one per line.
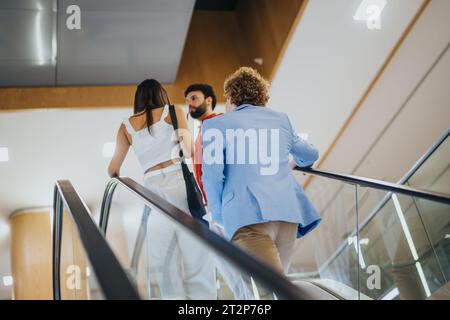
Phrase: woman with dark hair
pixel 152 139
pixel 181 264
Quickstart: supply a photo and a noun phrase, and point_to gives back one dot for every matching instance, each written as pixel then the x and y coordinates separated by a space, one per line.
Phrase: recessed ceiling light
pixel 4 154
pixel 108 149
pixel 8 281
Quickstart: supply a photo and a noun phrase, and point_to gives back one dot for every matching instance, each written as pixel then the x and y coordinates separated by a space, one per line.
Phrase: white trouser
pixel 183 266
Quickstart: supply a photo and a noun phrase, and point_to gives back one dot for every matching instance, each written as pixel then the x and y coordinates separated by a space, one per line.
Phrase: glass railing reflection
pixel 166 261
pixel 77 279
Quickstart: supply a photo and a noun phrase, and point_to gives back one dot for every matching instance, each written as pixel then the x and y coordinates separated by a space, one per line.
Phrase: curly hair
pixel 246 85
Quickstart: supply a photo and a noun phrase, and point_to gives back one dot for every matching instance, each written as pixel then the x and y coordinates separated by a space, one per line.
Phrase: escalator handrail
pixel 260 271
pixel 380 185
pixel 110 275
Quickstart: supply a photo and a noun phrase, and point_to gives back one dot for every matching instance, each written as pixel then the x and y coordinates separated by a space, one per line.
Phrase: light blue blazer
pixel 238 194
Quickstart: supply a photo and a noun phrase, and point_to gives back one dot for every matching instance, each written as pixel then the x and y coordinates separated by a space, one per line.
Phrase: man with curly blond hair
pixel 250 187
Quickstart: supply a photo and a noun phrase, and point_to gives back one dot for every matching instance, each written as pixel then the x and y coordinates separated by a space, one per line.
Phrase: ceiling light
pixel 8 281
pixel 4 229
pixel 38 37
pixel 366 7
pixel 108 149
pixel 4 154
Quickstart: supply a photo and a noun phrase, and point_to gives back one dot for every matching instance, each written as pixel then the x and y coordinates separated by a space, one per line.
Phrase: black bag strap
pixel 173 118
pixel 192 188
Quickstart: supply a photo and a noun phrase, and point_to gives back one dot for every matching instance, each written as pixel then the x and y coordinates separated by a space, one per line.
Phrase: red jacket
pixel 198 150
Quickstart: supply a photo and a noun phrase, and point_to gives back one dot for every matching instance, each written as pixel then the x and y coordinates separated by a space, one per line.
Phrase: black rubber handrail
pixel 380 185
pixel 110 275
pixel 263 273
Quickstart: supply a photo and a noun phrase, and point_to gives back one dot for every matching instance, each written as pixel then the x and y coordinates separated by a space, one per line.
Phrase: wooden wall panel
pixel 214 49
pixel 66 97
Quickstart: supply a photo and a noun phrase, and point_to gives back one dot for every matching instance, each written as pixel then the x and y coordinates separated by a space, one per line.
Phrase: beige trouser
pixel 272 242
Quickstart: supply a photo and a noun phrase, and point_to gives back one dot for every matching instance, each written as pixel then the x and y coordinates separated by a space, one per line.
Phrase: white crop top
pixel 155 148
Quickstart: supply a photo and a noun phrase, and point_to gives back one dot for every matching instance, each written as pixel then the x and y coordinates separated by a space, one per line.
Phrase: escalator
pixel 379 241
pixel 81 245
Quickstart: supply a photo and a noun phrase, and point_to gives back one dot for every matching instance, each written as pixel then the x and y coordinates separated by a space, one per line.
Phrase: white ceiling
pixel 330 62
